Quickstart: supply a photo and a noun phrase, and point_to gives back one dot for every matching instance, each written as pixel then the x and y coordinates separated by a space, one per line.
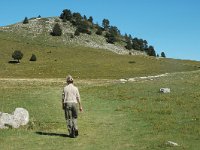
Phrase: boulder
pixel 19 117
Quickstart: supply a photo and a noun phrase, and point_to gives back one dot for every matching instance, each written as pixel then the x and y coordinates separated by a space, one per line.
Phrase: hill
pixel 84 56
pixel 39 29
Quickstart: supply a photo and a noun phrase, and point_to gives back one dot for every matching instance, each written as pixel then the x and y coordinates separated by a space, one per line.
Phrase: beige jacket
pixel 71 94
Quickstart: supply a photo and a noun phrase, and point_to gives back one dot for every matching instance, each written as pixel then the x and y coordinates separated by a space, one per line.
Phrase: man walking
pixel 70 100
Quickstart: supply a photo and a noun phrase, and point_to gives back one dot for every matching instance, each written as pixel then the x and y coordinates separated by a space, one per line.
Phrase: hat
pixel 69 78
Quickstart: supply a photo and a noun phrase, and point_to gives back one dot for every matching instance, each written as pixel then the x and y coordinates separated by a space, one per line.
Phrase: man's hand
pixel 80 108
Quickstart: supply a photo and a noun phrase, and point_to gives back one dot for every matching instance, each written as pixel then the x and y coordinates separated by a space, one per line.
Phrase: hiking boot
pixel 76 132
pixel 72 134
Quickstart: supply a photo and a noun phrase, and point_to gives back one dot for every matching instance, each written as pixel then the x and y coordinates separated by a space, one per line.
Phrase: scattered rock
pixel 165 90
pixel 131 79
pixel 170 143
pixel 19 117
pixel 123 80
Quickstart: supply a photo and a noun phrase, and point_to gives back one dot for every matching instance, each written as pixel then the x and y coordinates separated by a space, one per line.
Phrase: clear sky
pixel 172 26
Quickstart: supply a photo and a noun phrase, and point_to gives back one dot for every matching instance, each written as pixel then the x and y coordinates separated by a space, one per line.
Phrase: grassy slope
pixel 79 61
pixel 116 116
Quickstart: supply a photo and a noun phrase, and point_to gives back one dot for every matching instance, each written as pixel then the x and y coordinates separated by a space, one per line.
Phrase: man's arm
pixel 63 97
pixel 79 100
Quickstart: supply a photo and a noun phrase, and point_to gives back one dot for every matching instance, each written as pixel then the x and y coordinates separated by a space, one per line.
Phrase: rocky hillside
pixel 39 29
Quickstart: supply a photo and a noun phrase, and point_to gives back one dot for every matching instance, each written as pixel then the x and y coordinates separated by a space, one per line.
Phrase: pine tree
pixel 150 51
pixel 105 24
pixel 162 54
pixel 128 45
pixel 99 31
pixel 57 31
pixel 25 20
pixel 90 19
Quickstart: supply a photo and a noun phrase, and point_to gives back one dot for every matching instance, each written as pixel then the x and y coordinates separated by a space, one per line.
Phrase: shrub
pixel 33 58
pixel 57 31
pixel 77 33
pixel 99 31
pixel 110 38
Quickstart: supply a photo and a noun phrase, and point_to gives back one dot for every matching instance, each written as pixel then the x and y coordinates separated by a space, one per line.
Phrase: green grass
pixel 116 115
pixel 133 115
pixel 55 60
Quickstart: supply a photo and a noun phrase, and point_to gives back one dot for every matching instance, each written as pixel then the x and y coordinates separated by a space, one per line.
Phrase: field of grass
pixel 56 61
pixel 132 115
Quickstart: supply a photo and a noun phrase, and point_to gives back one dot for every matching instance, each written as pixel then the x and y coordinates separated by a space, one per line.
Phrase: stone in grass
pixel 19 117
pixel 165 90
pixel 170 143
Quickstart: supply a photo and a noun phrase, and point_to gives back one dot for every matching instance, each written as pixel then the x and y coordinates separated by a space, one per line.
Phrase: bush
pixel 99 31
pixel 33 58
pixel 57 31
pixel 17 55
pixel 110 38
pixel 77 33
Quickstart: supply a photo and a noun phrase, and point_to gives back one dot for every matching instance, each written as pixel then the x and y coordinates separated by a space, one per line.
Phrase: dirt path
pixel 92 81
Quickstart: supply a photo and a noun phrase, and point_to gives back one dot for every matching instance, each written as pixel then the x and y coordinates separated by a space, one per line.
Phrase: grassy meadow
pixel 132 115
pixel 56 61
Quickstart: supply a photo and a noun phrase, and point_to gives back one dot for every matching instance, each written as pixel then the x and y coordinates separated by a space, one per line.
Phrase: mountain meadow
pixel 118 115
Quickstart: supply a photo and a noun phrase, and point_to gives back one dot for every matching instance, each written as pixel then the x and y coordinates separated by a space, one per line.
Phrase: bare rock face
pixel 19 117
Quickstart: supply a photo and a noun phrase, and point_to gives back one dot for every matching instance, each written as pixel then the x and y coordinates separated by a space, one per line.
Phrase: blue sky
pixel 172 26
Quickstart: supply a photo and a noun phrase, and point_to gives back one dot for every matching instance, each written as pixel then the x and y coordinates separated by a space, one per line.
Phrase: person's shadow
pixel 52 134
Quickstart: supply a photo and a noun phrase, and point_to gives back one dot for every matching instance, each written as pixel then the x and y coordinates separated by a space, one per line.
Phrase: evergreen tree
pixel 25 20
pixel 114 30
pixel 128 45
pixel 84 17
pixel 99 31
pixel 90 19
pixel 57 31
pixel 135 44
pixel 163 54
pixel 77 18
pixel 84 27
pixel 66 14
pixel 150 51
pixel 110 38
pixel 105 24
pixel 17 55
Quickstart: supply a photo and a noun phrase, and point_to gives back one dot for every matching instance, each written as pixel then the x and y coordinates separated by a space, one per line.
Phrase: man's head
pixel 69 79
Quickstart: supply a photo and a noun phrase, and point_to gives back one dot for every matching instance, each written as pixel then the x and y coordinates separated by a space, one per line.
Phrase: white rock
pixel 131 79
pixel 123 80
pixel 165 90
pixel 5 119
pixel 172 143
pixel 19 117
